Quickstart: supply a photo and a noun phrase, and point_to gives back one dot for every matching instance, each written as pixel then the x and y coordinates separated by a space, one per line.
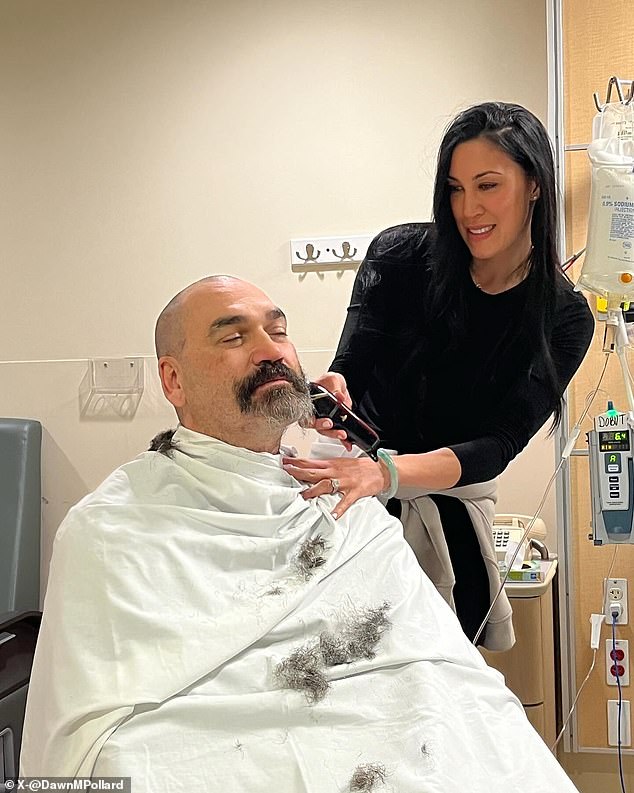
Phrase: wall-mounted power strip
pixel 617 659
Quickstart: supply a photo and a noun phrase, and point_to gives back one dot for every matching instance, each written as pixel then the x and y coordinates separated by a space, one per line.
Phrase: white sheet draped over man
pixel 207 629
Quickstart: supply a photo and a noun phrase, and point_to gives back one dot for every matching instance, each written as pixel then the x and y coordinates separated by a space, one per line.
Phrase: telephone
pixel 510 528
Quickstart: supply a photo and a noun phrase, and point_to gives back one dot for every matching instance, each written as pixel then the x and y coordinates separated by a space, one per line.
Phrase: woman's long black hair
pixel 520 134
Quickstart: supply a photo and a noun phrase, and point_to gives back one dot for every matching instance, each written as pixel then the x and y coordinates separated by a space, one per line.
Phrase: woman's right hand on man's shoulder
pixel 336 384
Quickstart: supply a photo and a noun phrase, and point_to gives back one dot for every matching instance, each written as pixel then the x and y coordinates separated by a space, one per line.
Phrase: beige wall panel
pixel 597 44
pixel 576 201
pixel 152 142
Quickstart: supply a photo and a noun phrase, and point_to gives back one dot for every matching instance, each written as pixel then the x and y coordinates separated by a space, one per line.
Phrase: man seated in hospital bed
pixel 207 629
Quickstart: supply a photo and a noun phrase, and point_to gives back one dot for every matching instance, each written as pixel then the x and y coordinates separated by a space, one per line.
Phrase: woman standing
pixel 460 340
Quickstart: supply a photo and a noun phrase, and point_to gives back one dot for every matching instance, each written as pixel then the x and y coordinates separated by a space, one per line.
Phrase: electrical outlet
pixel 613 723
pixel 617 657
pixel 616 592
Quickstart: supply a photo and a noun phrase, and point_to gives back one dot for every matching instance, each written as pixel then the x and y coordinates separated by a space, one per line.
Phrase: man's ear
pixel 171 381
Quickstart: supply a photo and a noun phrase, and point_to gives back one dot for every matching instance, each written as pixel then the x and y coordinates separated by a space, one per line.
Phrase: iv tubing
pixel 571 711
pixel 616 320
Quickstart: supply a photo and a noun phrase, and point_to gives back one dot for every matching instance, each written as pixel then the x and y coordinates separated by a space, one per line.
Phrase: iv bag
pixel 608 268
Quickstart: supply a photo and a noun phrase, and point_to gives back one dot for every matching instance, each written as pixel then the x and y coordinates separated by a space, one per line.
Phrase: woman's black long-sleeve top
pixel 480 392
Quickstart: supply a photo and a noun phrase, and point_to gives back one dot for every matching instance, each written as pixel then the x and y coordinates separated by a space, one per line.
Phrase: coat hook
pixel 347 256
pixel 311 256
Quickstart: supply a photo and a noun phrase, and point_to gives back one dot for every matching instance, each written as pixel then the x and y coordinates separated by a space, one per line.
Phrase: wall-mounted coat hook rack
pixel 329 253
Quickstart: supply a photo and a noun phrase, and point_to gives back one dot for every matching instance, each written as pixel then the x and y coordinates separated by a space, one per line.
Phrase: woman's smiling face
pixel 491 201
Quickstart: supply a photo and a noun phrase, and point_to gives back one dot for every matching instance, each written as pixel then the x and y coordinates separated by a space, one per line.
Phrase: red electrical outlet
pixel 617 662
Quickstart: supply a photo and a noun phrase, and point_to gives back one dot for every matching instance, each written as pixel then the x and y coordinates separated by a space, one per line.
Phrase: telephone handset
pixel 511 528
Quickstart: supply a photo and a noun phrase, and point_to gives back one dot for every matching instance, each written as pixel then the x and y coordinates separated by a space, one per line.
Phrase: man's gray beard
pixel 282 407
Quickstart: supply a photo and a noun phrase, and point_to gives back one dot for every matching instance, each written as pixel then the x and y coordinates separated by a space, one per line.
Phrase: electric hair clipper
pixel 327 406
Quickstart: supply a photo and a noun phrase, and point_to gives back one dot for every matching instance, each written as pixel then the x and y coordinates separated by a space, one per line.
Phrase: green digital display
pixel 614 441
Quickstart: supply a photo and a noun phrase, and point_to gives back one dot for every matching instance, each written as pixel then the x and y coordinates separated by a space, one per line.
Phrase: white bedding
pixel 169 609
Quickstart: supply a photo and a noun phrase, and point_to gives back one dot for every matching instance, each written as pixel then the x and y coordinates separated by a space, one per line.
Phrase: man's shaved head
pixel 169 333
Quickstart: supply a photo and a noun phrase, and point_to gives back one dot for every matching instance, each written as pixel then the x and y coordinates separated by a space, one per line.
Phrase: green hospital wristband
pixel 389 463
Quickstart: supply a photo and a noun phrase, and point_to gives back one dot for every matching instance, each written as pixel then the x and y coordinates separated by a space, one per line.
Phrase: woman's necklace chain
pixel 523 267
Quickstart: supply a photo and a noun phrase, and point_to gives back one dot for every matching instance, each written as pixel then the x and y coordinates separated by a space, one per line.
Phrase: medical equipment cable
pixel 618 684
pixel 572 438
pixel 605 581
pixel 572 259
pixel 616 323
pixel 571 711
pixel 627 378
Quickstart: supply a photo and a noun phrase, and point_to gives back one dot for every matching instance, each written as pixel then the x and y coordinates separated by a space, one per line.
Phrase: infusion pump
pixel 612 477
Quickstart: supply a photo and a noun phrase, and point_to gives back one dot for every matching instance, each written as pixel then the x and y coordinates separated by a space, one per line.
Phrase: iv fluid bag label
pixel 622 226
pixel 617 199
pixel 610 245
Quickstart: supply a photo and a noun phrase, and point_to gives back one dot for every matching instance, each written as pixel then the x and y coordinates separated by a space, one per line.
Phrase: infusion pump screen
pixel 614 441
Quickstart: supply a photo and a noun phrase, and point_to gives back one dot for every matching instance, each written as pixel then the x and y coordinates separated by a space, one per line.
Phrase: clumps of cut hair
pixel 307 559
pixel 303 671
pixel 358 638
pixel 367 776
pixel 310 556
pixel 305 668
pixel 163 443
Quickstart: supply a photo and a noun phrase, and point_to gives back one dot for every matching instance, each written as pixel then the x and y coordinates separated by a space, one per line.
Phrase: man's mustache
pixel 264 374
